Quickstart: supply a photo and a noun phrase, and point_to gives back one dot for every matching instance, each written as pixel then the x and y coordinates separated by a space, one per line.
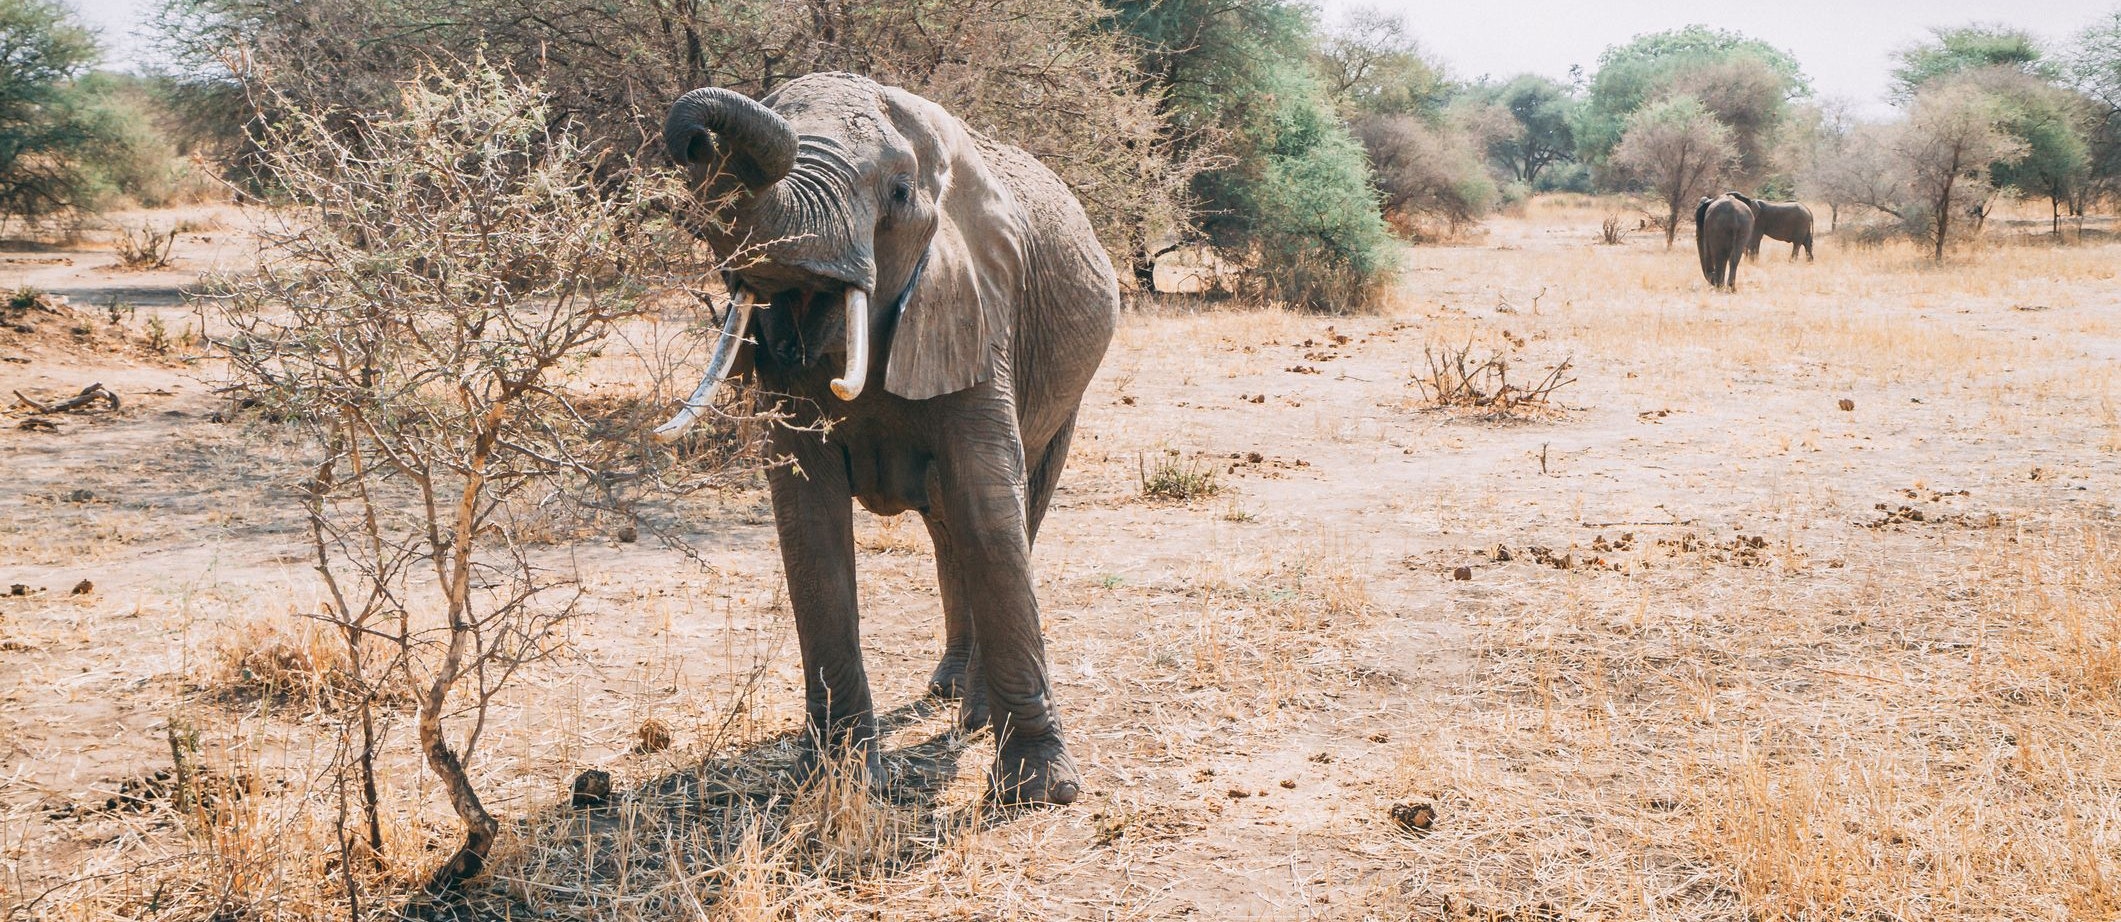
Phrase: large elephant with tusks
pixel 941 301
pixel 1722 228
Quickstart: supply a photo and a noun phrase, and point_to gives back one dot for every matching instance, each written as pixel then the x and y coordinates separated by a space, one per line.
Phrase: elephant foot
pixel 972 711
pixel 952 677
pixel 842 758
pixel 1034 770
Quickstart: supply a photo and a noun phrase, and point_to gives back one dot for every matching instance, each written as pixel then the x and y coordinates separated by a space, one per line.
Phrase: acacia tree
pixel 1859 169
pixel 1725 71
pixel 1525 125
pixel 1050 76
pixel 1425 171
pixel 67 143
pixel 1677 149
pixel 1952 136
pixel 1951 52
pixel 1371 65
pixel 2094 68
pixel 420 304
pixel 1285 192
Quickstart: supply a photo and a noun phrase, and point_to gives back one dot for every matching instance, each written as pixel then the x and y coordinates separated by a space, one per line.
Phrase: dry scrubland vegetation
pixel 1518 578
pixel 1723 648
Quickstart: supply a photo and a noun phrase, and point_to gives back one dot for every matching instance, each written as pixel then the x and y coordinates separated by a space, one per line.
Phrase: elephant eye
pixel 901 192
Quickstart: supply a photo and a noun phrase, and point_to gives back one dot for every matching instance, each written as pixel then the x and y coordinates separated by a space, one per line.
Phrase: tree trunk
pixel 1671 224
pixel 1833 219
pixel 1944 215
pixel 1144 271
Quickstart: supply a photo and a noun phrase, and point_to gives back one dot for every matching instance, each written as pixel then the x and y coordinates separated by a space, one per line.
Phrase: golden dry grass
pixel 1774 659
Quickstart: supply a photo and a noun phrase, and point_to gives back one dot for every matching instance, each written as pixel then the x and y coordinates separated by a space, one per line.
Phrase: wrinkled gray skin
pixel 1789 222
pixel 1722 228
pixel 972 392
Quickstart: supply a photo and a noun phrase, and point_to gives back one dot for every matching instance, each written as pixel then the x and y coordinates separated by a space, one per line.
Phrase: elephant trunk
pixel 760 145
pixel 849 385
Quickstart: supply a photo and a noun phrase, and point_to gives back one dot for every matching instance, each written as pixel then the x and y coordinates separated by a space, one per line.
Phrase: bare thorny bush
pixel 422 312
pixel 1457 377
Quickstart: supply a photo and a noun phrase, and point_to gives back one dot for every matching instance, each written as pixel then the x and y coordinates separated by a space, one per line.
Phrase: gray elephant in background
pixel 1722 228
pixel 937 302
pixel 1789 222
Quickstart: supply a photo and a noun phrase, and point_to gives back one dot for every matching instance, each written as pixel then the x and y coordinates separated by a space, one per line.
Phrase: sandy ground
pixel 1755 652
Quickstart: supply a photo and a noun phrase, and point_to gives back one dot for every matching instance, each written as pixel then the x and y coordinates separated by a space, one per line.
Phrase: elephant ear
pixel 1701 211
pixel 961 309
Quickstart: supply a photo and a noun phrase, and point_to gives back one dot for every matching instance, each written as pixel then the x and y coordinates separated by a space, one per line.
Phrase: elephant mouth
pixel 792 328
pixel 800 323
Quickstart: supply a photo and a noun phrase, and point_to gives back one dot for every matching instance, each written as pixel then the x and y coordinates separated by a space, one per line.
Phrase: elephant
pixel 1790 222
pixel 1722 227
pixel 931 305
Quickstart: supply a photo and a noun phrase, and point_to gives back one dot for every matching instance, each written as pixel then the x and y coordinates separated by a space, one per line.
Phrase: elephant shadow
pixel 686 837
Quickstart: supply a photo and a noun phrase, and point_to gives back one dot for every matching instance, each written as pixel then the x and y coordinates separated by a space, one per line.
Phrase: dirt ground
pixel 1798 602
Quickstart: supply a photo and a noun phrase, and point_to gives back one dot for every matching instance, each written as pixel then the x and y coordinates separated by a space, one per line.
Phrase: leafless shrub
pixel 1613 231
pixel 145 248
pixel 418 314
pixel 1458 378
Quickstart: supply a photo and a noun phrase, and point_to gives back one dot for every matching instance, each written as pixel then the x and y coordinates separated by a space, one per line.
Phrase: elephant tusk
pixel 725 348
pixel 850 386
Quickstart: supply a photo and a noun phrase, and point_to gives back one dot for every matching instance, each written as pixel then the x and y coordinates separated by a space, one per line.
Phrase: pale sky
pixel 1843 44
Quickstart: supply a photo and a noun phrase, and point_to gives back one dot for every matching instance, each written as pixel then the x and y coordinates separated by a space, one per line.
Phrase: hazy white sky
pixel 1843 44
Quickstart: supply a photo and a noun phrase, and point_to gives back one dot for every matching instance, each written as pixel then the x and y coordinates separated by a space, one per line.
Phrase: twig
pixel 88 395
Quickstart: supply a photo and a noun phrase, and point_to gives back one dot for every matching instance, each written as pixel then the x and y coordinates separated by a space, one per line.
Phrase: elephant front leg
pixel 984 499
pixel 814 512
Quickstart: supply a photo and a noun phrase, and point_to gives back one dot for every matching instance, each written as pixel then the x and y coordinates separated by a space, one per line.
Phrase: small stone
pixel 1417 819
pixel 592 788
pixel 652 737
pixel 628 534
pixel 84 587
pixel 1847 405
pixel 1462 574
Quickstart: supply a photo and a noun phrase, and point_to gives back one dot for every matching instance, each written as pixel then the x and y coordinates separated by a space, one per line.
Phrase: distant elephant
pixel 1722 228
pixel 954 393
pixel 1789 222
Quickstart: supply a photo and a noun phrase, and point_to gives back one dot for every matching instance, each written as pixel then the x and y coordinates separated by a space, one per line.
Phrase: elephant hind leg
pixel 1046 476
pixel 956 675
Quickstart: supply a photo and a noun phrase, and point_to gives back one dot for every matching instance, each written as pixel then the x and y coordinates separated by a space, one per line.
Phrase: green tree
pixel 64 145
pixel 1952 137
pixel 1679 150
pixel 2052 157
pixel 1528 125
pixel 2094 67
pixel 1050 76
pixel 2049 124
pixel 1954 51
pixel 1371 65
pixel 1289 195
pixel 1746 83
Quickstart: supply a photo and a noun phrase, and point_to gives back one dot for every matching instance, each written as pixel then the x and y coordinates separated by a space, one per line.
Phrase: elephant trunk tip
pixel 757 143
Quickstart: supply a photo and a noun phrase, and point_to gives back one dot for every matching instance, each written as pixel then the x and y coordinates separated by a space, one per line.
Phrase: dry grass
pixel 1775 701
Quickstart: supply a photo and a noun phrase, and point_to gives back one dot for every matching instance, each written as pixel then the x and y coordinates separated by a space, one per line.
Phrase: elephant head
pixel 843 202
